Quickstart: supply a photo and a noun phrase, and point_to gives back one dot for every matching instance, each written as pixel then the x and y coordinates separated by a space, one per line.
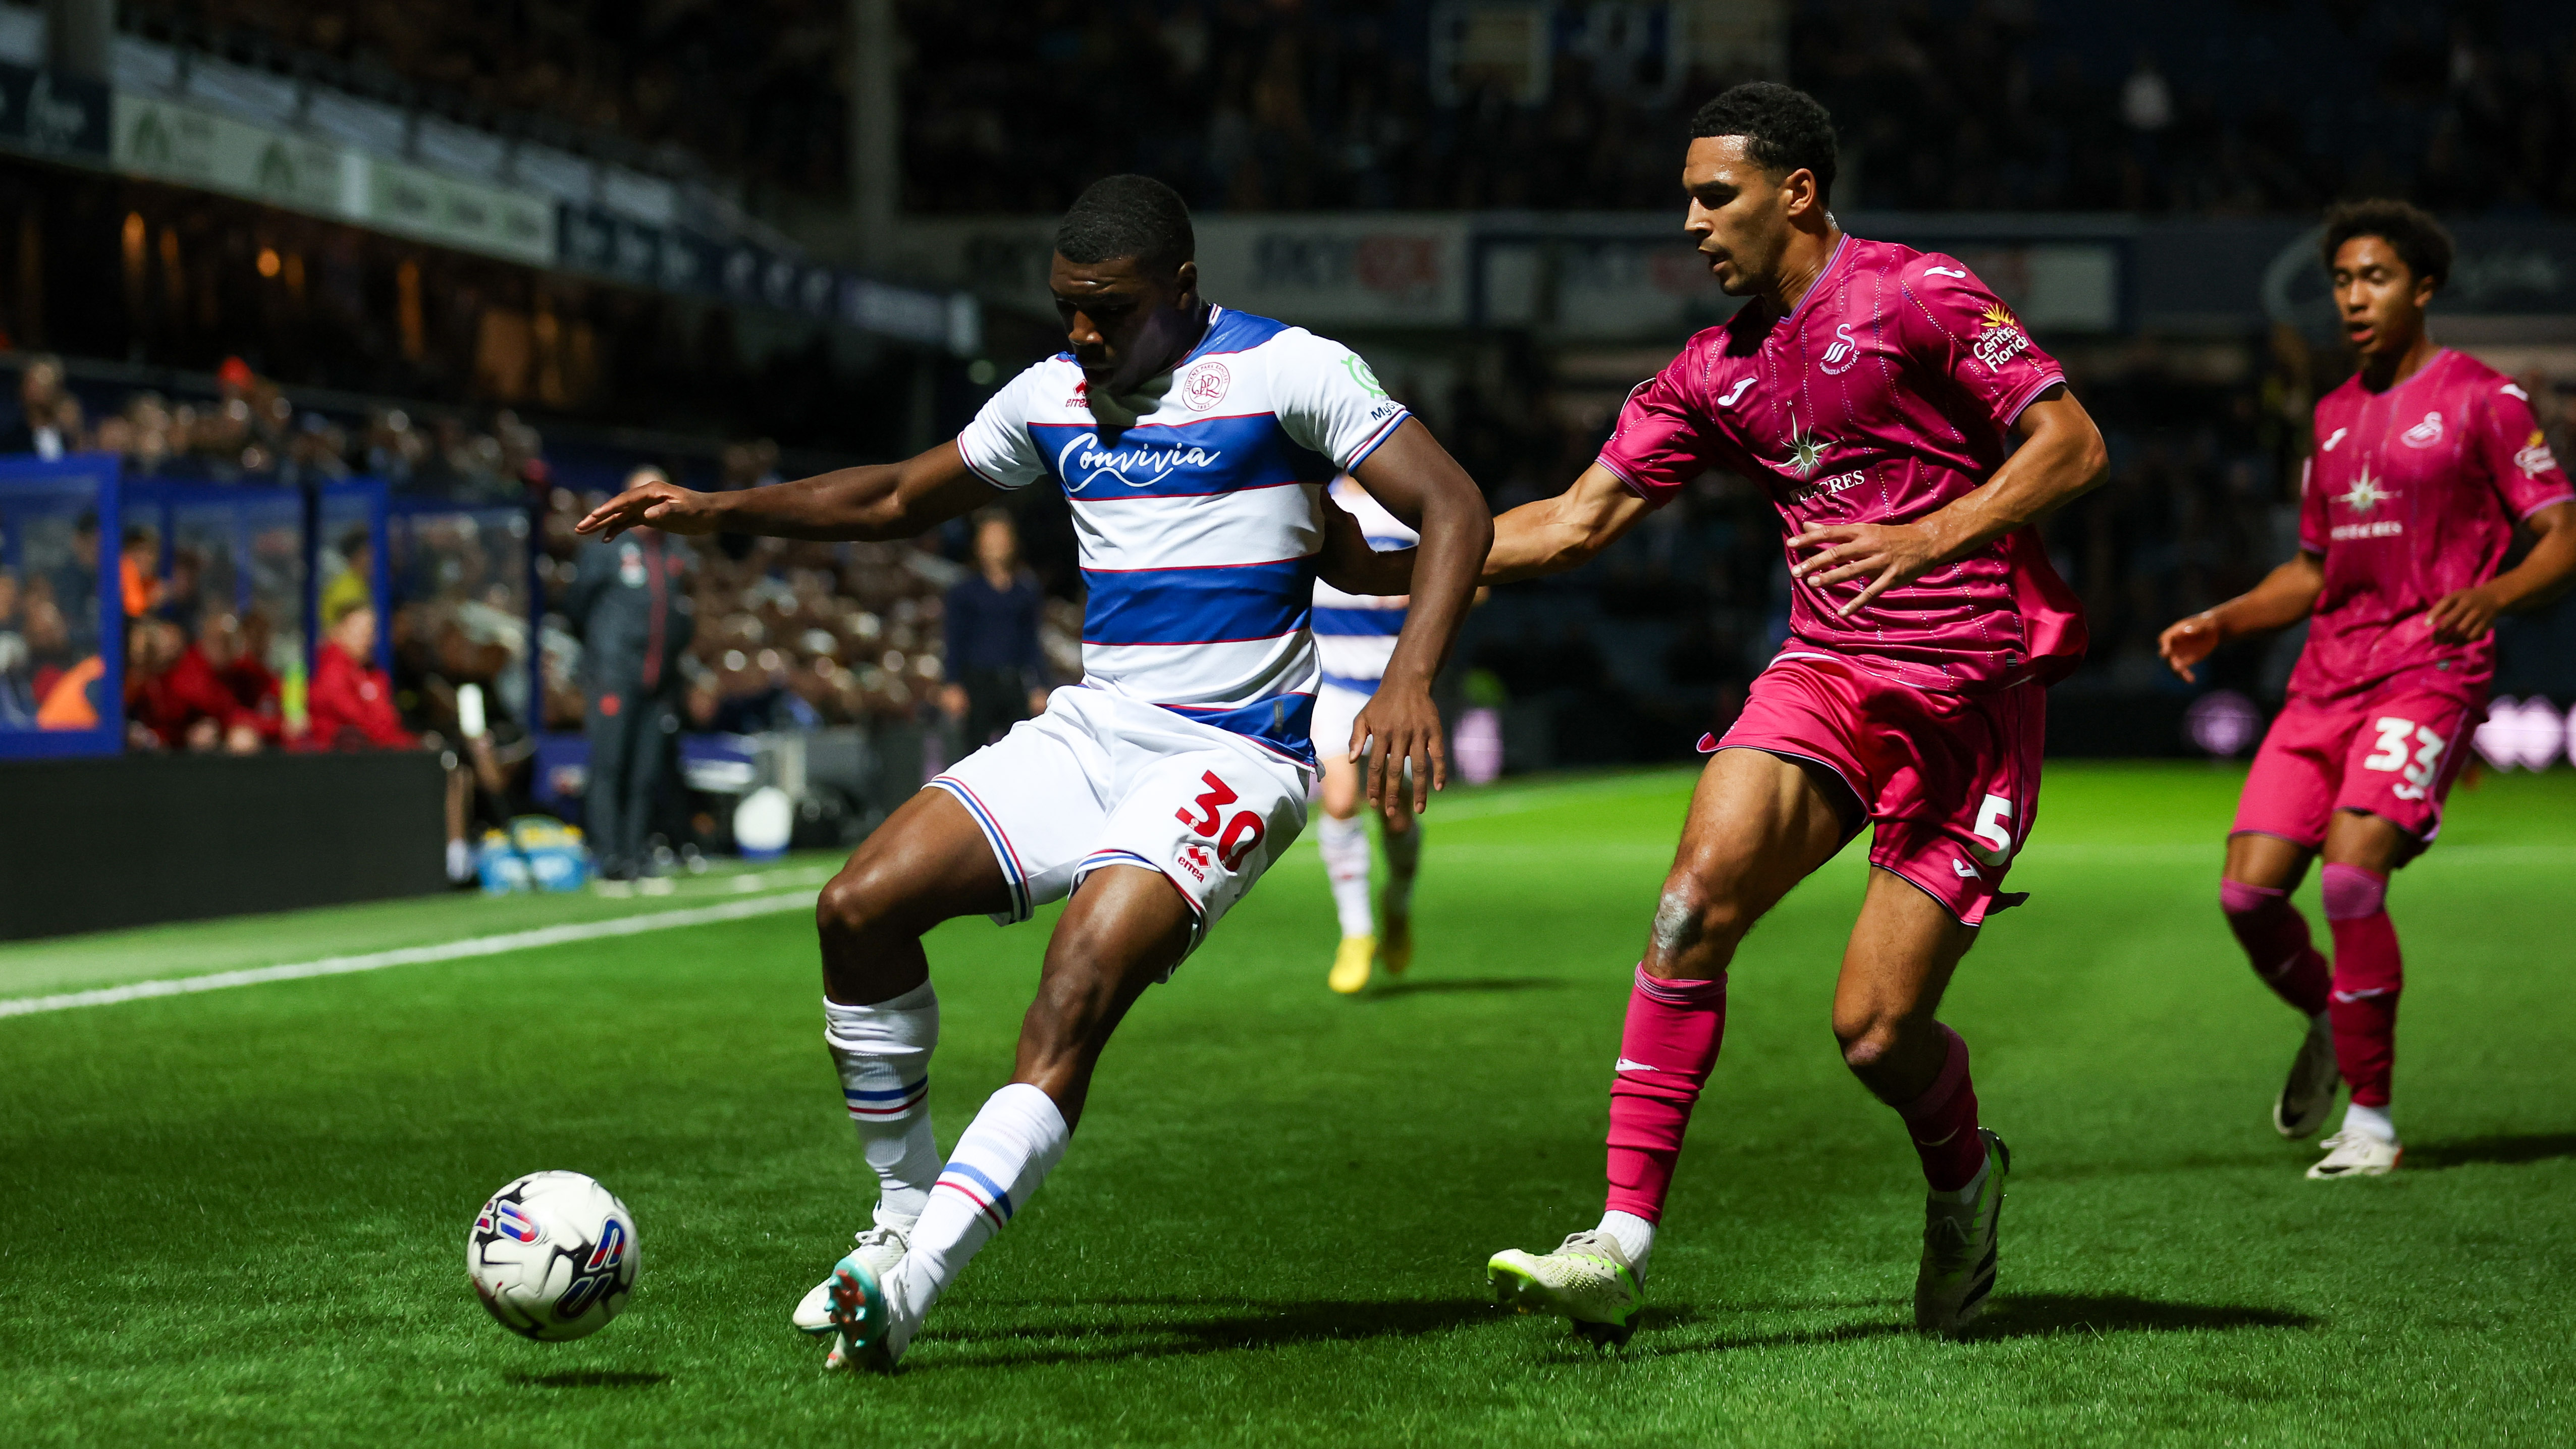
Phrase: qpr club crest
pixel 1204 386
pixel 2424 434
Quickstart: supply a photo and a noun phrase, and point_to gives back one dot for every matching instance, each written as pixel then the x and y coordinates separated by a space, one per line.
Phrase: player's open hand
pixel 2464 615
pixel 1400 727
pixel 2185 644
pixel 1887 554
pixel 654 500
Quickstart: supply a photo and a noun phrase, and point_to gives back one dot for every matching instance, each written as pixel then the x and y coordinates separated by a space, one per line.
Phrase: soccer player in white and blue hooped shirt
pixel 1194 445
pixel 1355 635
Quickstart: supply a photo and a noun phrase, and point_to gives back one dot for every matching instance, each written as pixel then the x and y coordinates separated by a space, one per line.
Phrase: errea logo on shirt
pixel 2003 340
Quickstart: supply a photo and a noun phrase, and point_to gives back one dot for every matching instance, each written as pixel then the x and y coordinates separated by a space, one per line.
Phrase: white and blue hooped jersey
pixel 1355 633
pixel 1198 504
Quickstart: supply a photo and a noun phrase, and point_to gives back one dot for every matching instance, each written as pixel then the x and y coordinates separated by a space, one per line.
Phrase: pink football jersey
pixel 1887 393
pixel 2414 493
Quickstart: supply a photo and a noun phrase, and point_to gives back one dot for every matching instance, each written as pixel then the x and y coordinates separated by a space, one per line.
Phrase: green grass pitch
pixel 239 1216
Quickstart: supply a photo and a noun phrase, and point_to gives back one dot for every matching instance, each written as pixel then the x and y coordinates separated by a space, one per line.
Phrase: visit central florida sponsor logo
pixel 2002 340
pixel 2535 458
pixel 1085 460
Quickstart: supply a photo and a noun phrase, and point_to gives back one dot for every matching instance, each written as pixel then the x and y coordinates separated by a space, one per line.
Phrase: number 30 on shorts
pixel 2395 736
pixel 1241 833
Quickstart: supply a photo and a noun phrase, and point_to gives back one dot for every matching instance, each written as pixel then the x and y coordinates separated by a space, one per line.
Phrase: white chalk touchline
pixel 413 955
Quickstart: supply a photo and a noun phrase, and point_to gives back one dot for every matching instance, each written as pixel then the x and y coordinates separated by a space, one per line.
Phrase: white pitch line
pixel 412 955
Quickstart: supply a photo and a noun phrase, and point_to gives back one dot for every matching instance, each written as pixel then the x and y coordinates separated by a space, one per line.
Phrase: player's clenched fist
pixel 2185 644
pixel 650 499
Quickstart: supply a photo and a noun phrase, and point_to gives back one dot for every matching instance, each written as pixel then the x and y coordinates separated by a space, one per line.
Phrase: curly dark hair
pixel 1128 216
pixel 2412 233
pixel 1784 129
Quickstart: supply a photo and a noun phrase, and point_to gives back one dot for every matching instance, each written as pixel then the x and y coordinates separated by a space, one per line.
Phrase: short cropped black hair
pixel 1127 216
pixel 2413 234
pixel 1784 129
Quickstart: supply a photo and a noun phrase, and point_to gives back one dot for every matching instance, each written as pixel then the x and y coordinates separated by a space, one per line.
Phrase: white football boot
pixel 872 1323
pixel 1588 1279
pixel 2309 1094
pixel 880 1247
pixel 2357 1154
pixel 1961 1231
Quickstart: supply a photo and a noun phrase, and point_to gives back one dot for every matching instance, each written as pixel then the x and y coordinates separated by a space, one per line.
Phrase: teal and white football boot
pixel 1960 1233
pixel 880 1247
pixel 1588 1279
pixel 870 1323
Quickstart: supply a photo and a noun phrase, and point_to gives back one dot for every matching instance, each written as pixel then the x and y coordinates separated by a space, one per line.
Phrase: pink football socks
pixel 1671 1042
pixel 2275 938
pixel 1943 1122
pixel 2368 974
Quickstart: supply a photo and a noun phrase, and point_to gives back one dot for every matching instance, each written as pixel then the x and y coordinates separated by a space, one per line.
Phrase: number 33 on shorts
pixel 2409 747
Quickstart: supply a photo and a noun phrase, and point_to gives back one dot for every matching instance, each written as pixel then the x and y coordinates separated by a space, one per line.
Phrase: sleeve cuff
pixel 1377 440
pixel 2030 394
pixel 978 470
pixel 1627 481
pixel 2525 514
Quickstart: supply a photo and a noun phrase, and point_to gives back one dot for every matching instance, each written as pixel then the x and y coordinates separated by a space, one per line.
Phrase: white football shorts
pixel 1099 779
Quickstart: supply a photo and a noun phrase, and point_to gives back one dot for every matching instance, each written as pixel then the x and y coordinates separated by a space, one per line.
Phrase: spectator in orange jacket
pixel 350 705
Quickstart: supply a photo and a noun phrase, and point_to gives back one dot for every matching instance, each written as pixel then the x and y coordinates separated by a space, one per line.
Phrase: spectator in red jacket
pixel 238 650
pixel 350 705
pixel 175 700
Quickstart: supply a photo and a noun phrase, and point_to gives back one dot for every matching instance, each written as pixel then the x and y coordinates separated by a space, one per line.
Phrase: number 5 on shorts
pixel 1994 826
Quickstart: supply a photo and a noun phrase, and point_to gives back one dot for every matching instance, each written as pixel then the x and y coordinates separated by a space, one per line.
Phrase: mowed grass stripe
pixel 463 950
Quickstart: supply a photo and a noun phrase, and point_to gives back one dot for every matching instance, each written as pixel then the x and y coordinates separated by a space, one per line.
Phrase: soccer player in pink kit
pixel 2425 460
pixel 1876 392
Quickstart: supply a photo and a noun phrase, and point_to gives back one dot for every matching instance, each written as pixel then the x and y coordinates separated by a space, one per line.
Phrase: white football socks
pixel 1006 1152
pixel 883 1052
pixel 1634 1235
pixel 1403 856
pixel 2369 1121
pixel 1345 844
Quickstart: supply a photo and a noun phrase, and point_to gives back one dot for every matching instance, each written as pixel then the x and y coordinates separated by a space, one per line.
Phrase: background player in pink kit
pixel 2425 460
pixel 1876 392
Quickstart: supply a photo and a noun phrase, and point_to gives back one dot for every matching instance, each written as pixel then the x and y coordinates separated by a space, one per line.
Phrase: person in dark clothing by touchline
pixel 629 602
pixel 997 671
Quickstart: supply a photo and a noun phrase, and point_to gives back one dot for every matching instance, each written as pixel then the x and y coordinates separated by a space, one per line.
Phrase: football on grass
pixel 553 1256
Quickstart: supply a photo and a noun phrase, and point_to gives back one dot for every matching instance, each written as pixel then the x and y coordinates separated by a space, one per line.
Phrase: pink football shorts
pixel 2394 756
pixel 1951 781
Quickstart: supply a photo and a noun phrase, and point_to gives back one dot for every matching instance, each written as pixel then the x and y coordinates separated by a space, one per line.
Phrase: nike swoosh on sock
pixel 1626 1065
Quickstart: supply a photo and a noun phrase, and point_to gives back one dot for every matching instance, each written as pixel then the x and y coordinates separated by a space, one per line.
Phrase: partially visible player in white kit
pixel 1355 635
pixel 1194 445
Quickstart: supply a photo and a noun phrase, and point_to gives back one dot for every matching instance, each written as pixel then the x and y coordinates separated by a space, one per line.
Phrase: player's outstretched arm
pixel 2286 595
pixel 1556 534
pixel 2061 456
pixel 1418 482
pixel 876 502
pixel 2467 614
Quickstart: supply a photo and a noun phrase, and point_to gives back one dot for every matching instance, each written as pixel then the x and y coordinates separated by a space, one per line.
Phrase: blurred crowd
pixel 1259 105
pixel 2271 110
pixel 251 430
pixel 755 92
